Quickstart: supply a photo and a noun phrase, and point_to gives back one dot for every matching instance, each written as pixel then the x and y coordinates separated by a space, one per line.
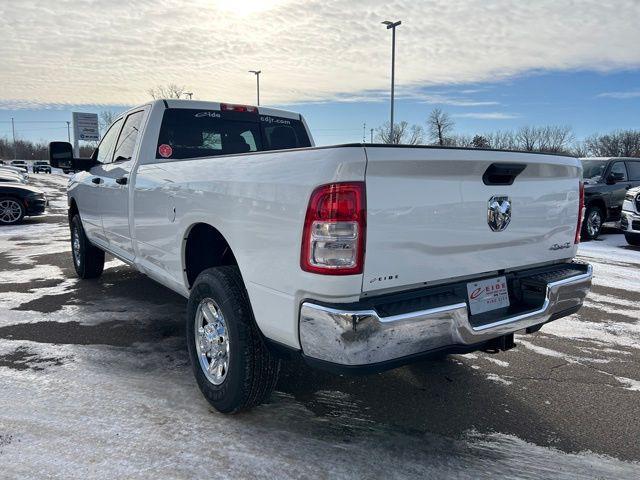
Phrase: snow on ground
pixel 127 406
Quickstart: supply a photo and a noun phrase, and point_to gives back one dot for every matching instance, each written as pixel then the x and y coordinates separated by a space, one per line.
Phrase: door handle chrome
pixel 121 180
pixel 96 180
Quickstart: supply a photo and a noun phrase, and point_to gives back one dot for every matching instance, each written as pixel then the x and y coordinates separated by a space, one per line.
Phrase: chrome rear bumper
pixel 362 337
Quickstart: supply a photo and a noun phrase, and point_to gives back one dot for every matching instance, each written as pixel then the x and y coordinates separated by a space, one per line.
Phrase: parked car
pixel 9 168
pixel 606 181
pixel 11 177
pixel 18 201
pixel 630 221
pixel 14 171
pixel 356 258
pixel 20 164
pixel 41 166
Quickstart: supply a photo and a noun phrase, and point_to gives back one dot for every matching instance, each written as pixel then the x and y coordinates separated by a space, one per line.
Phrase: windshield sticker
pixel 207 114
pixel 165 150
pixel 281 121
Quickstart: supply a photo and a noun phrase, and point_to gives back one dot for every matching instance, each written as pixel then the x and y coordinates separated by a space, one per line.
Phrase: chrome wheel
pixel 594 223
pixel 212 341
pixel 75 245
pixel 10 211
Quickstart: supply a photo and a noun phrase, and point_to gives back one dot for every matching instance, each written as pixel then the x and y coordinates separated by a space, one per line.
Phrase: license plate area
pixel 487 295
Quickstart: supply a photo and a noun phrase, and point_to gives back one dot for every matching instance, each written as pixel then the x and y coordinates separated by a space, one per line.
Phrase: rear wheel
pixel 593 220
pixel 233 367
pixel 632 238
pixel 88 260
pixel 11 211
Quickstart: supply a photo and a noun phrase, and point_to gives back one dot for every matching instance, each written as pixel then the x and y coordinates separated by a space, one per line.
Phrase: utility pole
pixel 69 131
pixel 15 149
pixel 257 74
pixel 392 26
pixel 364 132
pixel 372 135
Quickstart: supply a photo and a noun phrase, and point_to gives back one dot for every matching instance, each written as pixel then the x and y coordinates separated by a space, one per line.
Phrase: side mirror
pixel 615 177
pixel 61 155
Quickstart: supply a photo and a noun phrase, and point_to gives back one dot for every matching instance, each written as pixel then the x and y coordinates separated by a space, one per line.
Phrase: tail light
pixel 226 107
pixel 334 230
pixel 580 214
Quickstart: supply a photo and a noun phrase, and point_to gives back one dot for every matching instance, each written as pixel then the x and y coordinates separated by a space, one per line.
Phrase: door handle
pixel 96 180
pixel 121 180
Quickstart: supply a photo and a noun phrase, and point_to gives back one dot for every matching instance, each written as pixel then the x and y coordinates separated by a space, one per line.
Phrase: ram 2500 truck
pixel 357 257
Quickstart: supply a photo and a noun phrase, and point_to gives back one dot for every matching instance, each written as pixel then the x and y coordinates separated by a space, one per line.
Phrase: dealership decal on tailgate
pixel 487 295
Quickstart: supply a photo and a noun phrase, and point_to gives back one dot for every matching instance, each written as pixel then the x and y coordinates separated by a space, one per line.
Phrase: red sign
pixel 165 150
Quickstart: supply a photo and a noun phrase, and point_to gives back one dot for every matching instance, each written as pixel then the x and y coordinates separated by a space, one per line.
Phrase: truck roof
pixel 199 104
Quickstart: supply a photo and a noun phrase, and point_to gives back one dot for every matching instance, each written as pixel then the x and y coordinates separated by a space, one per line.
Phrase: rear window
pixel 191 133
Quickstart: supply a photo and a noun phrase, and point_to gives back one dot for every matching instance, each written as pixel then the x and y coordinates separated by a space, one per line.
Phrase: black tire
pixel 252 370
pixel 12 211
pixel 632 239
pixel 592 224
pixel 88 259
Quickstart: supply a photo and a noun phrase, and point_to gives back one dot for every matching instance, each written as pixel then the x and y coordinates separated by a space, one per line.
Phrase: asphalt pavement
pixel 95 383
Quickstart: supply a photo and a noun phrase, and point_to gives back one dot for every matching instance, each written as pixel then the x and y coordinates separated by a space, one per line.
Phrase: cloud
pixel 71 51
pixel 487 115
pixel 620 95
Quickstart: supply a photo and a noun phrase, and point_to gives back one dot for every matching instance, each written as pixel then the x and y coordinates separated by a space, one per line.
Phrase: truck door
pixel 115 186
pixel 89 189
pixel 618 175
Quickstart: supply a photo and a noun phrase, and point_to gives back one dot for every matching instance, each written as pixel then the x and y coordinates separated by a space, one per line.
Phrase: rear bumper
pixel 355 337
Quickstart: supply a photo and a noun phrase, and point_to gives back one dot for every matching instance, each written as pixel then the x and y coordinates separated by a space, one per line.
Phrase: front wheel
pixel 11 211
pixel 233 367
pixel 88 260
pixel 632 239
pixel 593 220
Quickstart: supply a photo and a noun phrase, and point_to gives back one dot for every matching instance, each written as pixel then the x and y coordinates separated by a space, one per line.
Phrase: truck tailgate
pixel 427 214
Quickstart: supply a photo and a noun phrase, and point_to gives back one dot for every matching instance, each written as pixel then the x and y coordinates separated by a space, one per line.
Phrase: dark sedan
pixel 18 201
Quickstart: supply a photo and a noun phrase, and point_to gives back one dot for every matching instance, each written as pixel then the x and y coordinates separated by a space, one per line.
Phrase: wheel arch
pixel 204 246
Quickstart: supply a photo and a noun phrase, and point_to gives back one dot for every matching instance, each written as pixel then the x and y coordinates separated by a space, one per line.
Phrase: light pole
pixel 15 149
pixel 392 26
pixel 69 131
pixel 257 74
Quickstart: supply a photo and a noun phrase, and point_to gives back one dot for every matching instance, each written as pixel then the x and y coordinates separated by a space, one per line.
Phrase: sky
pixel 492 65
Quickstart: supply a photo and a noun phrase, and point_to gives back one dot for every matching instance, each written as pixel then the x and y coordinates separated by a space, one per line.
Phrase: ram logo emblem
pixel 499 213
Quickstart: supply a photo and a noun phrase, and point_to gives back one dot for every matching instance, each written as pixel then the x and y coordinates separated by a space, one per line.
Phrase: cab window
pixel 128 137
pixel 105 149
pixel 634 170
pixel 618 168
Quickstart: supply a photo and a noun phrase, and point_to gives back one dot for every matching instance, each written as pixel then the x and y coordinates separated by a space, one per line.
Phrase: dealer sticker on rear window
pixel 487 295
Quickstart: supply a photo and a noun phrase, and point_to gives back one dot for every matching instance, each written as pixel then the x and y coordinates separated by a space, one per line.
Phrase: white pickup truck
pixel 357 257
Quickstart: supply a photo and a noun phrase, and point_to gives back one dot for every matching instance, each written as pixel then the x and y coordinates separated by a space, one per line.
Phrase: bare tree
pixel 105 119
pixel 439 125
pixel 170 90
pixel 402 134
pixel 619 143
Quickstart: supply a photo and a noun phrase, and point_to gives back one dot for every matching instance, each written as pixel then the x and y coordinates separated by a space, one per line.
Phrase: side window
pixel 128 137
pixel 634 170
pixel 105 149
pixel 619 167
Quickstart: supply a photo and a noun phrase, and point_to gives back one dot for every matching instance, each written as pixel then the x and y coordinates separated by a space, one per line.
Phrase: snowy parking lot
pixel 95 383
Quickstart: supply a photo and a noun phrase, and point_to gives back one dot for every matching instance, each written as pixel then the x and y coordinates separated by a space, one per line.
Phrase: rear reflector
pixel 580 214
pixel 226 107
pixel 334 230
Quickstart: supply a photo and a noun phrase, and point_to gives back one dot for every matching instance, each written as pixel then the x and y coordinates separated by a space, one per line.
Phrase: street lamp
pixel 257 74
pixel 392 26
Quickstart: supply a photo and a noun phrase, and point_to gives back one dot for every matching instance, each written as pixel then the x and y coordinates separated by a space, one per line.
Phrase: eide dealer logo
pixel 499 213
